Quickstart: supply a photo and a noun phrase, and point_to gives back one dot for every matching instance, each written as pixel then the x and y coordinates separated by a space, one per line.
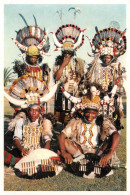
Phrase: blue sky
pixel 92 15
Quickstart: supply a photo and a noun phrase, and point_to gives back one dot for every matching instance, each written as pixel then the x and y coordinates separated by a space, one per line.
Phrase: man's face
pixel 33 59
pixel 90 115
pixel 34 113
pixel 106 59
pixel 67 55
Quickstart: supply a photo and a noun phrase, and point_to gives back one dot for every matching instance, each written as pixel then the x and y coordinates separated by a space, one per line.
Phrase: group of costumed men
pixel 87 102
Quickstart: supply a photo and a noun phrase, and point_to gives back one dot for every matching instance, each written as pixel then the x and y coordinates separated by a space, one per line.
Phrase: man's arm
pixel 18 137
pixel 24 151
pixel 115 142
pixel 68 158
pixel 47 145
pixel 59 72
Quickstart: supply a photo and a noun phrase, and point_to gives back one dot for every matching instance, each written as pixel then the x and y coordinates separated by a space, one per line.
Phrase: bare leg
pixel 71 148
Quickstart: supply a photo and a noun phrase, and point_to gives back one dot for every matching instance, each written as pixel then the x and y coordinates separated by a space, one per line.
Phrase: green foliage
pixel 8 75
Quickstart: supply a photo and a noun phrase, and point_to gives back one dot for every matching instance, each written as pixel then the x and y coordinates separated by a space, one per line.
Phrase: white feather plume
pixel 14 121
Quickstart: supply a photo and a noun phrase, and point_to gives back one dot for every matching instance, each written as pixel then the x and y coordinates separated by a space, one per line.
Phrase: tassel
pixel 9 159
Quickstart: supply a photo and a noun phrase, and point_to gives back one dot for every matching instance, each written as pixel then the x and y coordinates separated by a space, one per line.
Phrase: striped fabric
pixel 10 159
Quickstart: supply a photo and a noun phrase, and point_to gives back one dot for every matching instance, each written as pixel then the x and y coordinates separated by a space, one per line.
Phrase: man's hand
pixel 115 142
pixel 68 158
pixel 104 160
pixel 24 152
pixel 66 60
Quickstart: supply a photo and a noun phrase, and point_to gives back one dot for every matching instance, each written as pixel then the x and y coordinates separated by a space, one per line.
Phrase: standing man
pixel 33 42
pixel 107 45
pixel 68 69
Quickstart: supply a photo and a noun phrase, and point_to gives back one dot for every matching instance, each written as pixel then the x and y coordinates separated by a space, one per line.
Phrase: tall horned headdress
pixel 32 40
pixel 109 41
pixel 26 91
pixel 68 37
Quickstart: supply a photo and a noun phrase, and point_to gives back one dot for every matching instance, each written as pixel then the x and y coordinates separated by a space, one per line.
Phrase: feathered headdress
pixel 92 104
pixel 32 40
pixel 92 100
pixel 27 91
pixel 68 37
pixel 109 41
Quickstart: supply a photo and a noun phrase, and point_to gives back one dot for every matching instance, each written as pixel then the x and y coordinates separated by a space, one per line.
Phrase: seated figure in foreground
pixel 85 135
pixel 31 129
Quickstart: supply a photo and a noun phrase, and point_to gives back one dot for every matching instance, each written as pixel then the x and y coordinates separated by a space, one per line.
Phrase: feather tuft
pixel 12 124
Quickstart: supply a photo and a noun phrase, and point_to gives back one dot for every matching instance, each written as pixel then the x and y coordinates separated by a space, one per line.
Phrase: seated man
pixel 83 135
pixel 32 131
pixel 28 132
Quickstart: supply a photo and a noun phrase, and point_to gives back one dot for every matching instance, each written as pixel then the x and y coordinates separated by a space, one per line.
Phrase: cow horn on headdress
pixel 14 101
pixel 94 93
pixel 20 46
pixel 56 42
pixel 109 41
pixel 38 48
pixel 91 44
pixel 79 41
pixel 32 36
pixel 70 97
pixel 68 37
pixel 106 99
pixel 43 42
pixel 44 53
pixel 28 90
pixel 50 94
pixel 92 99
